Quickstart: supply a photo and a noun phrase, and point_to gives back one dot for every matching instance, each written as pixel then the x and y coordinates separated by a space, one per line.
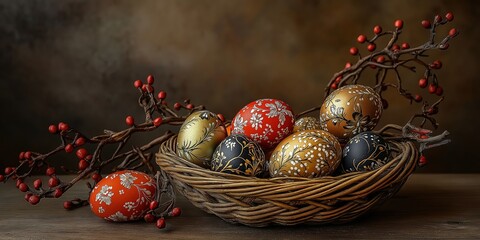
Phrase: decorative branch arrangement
pixel 92 164
pixel 158 112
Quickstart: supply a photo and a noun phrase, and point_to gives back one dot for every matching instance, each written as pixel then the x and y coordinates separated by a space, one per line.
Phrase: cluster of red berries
pixel 150 216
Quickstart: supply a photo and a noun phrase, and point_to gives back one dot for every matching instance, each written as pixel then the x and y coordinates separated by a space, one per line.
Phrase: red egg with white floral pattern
pixel 265 121
pixel 123 196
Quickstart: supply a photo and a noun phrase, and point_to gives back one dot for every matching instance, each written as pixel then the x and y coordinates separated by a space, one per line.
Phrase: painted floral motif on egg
pixel 265 121
pixel 198 137
pixel 365 152
pixel 306 123
pixel 237 154
pixel 350 110
pixel 309 153
pixel 123 196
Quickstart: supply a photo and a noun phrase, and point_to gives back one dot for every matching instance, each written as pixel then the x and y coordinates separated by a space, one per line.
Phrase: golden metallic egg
pixel 306 123
pixel 309 153
pixel 198 137
pixel 350 110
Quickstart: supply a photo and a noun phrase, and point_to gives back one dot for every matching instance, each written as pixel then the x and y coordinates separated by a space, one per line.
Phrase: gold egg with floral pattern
pixel 350 110
pixel 306 123
pixel 198 137
pixel 308 153
pixel 239 155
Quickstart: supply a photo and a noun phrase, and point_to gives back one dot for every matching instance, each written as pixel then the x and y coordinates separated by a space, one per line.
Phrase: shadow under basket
pixel 261 202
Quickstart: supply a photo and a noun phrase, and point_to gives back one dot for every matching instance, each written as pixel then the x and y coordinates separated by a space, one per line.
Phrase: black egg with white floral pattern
pixel 239 155
pixel 365 152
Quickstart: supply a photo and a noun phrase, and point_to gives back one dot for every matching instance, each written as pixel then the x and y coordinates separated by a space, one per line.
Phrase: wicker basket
pixel 288 201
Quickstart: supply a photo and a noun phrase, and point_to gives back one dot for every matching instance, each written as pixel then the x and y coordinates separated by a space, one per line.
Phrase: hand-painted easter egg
pixel 198 137
pixel 350 110
pixel 309 153
pixel 306 123
pixel 237 154
pixel 123 196
pixel 265 121
pixel 364 152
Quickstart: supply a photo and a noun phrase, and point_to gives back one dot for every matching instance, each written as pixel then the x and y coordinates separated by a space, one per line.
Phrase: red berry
pixel 53 182
pixel 2 178
pixel 19 181
pixel 150 79
pixel 21 156
pixel 381 59
pixel 177 106
pixel 449 16
pixel 334 86
pixel 433 110
pixel 439 91
pixel 405 46
pixel 81 153
pixel 432 88
pixel 28 155
pixel 149 88
pixel 157 122
pixel 221 117
pixel 418 98
pixel 371 47
pixel 176 212
pixel 422 161
pixel 426 24
pixel 162 95
pixel 438 18
pixel 9 170
pixel 129 121
pixel 63 126
pixel 96 177
pixel 67 205
pixel 149 218
pixel 361 38
pixel 34 199
pixel 438 64
pixel 83 164
pixel 57 193
pixel 50 171
pixel 452 32
pixel 37 184
pixel 23 187
pixel 189 106
pixel 161 223
pixel 423 82
pixel 398 24
pixel 153 205
pixel 80 141
pixel 52 129
pixel 27 196
pixel 348 65
pixel 377 29
pixel 144 87
pixel 69 148
pixel 395 47
pixel 338 79
pixel 137 84
pixel 353 51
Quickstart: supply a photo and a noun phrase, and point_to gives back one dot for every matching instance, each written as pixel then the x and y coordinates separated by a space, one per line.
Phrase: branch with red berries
pixel 92 164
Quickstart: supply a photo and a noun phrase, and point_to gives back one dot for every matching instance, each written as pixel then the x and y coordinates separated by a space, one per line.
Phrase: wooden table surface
pixel 428 206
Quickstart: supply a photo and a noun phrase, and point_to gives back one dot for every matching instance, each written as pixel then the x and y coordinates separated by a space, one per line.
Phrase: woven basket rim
pixel 241 199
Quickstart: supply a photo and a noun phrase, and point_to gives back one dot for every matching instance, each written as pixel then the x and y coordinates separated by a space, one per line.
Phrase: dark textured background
pixel 75 61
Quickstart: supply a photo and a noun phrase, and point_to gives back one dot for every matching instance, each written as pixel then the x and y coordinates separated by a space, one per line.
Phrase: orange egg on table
pixel 123 196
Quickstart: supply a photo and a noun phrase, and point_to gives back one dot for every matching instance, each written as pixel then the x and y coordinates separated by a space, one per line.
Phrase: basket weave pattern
pixel 287 201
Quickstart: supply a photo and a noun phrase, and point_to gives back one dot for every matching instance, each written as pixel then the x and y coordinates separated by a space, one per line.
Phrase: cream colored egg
pixel 309 153
pixel 198 137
